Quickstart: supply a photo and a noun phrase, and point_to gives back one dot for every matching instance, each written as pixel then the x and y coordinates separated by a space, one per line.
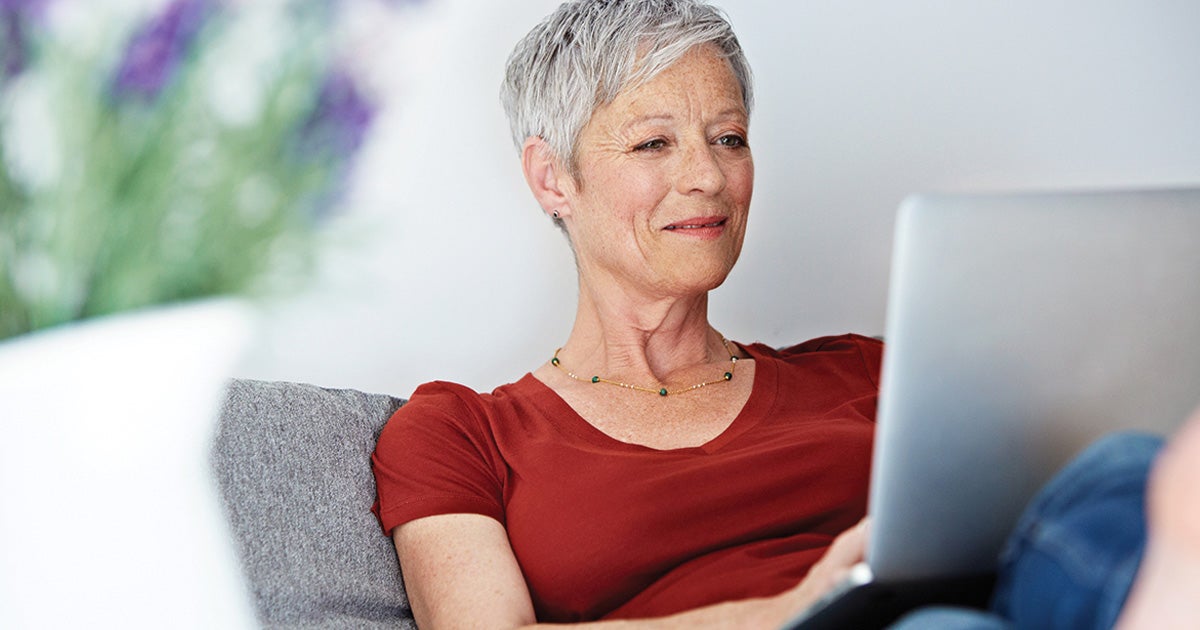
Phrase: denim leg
pixel 1073 556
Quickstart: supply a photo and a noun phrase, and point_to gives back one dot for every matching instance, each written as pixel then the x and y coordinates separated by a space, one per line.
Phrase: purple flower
pixel 15 18
pixel 12 44
pixel 340 119
pixel 332 135
pixel 28 7
pixel 156 50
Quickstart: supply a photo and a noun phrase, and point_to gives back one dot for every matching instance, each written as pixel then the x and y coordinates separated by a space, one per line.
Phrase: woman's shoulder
pixel 849 342
pixel 441 412
pixel 441 388
pixel 849 348
pixel 455 400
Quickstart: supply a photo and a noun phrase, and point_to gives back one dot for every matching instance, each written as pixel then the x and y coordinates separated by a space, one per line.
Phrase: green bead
pixel 554 361
pixel 729 376
pixel 595 379
pixel 662 392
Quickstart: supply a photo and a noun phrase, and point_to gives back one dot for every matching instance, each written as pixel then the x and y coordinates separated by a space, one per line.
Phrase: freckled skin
pixel 670 150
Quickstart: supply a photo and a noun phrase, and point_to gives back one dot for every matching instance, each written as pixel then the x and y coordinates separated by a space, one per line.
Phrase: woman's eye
pixel 731 140
pixel 651 145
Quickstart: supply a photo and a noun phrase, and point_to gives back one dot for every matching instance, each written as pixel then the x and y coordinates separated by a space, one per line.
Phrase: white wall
pixel 445 268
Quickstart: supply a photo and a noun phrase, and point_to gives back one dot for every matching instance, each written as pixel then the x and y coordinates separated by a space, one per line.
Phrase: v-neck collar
pixel 564 417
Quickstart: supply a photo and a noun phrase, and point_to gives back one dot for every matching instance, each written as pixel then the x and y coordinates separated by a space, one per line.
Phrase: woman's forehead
pixel 701 82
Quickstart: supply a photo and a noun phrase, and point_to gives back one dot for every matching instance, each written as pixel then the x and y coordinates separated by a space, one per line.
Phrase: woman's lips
pixel 699 223
pixel 702 228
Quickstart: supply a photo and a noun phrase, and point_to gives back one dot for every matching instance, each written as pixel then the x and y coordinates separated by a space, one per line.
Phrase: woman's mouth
pixel 697 224
pixel 701 228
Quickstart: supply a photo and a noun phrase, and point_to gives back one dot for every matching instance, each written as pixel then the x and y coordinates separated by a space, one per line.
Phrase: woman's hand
pixel 847 550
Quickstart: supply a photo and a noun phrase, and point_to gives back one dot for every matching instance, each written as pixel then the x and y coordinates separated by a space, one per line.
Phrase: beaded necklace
pixel 727 376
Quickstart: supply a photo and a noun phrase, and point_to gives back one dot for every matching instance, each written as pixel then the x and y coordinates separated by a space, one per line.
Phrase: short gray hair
pixel 588 51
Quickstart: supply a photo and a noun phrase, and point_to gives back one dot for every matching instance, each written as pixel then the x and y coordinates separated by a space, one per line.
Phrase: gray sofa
pixel 293 465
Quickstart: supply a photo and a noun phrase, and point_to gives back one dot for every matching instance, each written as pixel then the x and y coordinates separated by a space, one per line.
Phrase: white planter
pixel 108 513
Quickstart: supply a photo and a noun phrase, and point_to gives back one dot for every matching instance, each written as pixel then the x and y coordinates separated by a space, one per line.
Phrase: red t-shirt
pixel 605 529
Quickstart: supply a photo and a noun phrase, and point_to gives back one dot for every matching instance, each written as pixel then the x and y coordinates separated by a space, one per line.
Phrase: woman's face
pixel 664 182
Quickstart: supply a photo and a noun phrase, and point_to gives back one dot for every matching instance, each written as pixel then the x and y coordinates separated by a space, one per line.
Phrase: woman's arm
pixel 460 572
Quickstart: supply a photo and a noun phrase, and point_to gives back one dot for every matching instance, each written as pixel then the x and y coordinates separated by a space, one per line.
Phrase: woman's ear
pixel 546 177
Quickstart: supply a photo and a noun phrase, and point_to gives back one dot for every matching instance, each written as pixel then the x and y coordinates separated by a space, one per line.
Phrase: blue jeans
pixel 1072 558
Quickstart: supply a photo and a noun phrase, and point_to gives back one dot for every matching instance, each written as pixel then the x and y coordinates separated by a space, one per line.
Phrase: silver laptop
pixel 1020 328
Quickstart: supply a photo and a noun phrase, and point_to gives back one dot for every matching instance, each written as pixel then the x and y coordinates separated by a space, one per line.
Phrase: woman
pixel 651 469
pixel 634 139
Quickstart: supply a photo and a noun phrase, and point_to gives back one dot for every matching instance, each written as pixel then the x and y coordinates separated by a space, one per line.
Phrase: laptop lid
pixel 1020 328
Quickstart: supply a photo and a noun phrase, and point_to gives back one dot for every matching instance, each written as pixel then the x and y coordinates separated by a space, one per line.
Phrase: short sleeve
pixel 437 455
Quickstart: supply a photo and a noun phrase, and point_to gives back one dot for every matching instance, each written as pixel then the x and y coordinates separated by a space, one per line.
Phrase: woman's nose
pixel 699 170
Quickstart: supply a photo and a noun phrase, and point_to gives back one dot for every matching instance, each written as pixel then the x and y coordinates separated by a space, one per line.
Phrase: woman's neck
pixel 646 339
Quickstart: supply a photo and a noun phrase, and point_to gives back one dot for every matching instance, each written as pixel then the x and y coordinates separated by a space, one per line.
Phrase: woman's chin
pixel 695 280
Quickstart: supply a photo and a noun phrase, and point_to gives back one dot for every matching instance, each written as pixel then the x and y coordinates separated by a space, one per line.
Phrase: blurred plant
pixel 155 158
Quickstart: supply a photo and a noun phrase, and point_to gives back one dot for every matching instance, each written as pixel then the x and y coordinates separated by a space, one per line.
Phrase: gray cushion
pixel 293 465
